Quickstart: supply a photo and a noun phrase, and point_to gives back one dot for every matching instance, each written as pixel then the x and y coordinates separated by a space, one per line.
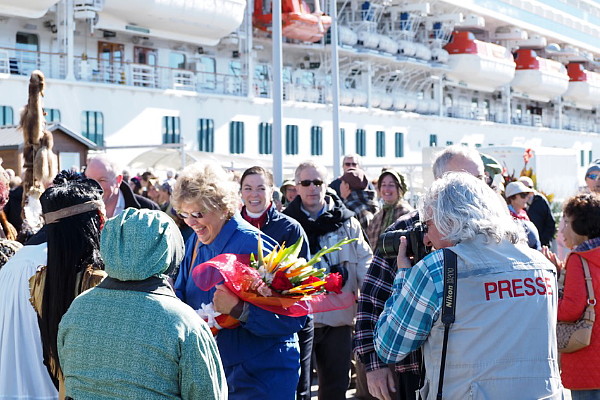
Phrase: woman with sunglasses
pixel 256 188
pixel 261 356
pixel 517 194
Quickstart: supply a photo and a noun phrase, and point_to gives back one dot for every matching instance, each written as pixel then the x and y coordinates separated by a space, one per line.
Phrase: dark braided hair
pixel 73 244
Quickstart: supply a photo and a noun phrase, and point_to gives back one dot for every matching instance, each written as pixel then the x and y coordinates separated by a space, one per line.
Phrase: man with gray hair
pixel 117 194
pixel 398 382
pixel 326 221
pixel 350 161
pixel 501 341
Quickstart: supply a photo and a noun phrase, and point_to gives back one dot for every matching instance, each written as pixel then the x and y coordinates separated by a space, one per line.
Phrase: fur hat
pixel 355 178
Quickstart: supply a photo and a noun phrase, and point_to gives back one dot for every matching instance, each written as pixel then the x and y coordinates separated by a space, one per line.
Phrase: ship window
pixel 308 79
pixel 171 129
pixel 316 141
pixel 474 108
pixel 236 137
pixel 52 115
pixel 177 60
pixel 145 56
pixel 92 126
pixel 6 115
pixel 433 140
pixel 27 49
pixel 265 138
pixel 361 142
pixel 291 139
pixel 449 142
pixel 261 79
pixel 286 75
pixel 235 67
pixel 206 135
pixel 380 144
pixel 207 73
pixel 590 158
pixel 342 141
pixel 582 158
pixel 399 142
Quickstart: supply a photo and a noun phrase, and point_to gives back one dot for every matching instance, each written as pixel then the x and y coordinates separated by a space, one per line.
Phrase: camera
pixel 389 242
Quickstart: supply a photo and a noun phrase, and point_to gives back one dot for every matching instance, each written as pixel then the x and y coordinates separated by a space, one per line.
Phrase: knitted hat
pixel 398 177
pixel 355 178
pixel 516 188
pixel 138 244
pixel 594 166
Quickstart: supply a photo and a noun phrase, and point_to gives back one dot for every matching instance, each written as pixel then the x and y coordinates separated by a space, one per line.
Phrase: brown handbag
pixel 574 336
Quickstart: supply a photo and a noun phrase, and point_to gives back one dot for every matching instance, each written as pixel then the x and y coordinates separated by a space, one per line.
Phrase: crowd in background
pixel 134 239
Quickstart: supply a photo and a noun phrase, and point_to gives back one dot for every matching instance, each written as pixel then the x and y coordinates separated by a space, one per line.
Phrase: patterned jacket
pixel 364 205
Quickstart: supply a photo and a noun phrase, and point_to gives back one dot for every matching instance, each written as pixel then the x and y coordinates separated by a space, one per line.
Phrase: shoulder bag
pixel 574 336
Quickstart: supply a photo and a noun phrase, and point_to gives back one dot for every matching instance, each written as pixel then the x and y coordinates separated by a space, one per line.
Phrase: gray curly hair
pixel 207 185
pixel 462 207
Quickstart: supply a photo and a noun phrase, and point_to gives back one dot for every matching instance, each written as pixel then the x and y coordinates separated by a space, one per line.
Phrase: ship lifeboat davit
pixel 297 20
pixel 26 8
pixel 539 78
pixel 192 21
pixel 482 65
pixel 584 86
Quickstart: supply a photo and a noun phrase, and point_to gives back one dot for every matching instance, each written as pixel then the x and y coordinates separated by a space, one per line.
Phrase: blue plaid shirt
pixel 412 309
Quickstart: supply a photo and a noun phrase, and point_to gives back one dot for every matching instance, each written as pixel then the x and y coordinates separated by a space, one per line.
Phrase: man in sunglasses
pixel 326 221
pixel 592 176
pixel 351 161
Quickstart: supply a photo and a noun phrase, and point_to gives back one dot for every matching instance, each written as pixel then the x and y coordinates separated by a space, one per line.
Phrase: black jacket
pixel 540 214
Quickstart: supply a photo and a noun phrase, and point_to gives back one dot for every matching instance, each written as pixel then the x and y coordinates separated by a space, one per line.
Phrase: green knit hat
pixel 138 244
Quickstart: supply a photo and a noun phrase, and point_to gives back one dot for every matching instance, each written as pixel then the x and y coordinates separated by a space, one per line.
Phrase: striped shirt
pixel 412 309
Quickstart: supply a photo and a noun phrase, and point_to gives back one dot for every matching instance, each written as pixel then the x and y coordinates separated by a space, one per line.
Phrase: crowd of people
pixel 104 301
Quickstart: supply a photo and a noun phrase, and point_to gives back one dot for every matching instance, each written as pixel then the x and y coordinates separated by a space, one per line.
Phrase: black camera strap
pixel 448 308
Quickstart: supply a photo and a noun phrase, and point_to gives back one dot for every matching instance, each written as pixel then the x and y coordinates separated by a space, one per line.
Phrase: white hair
pixel 111 165
pixel 462 207
pixel 311 164
pixel 443 158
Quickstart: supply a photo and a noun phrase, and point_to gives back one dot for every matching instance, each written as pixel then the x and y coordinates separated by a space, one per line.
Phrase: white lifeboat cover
pixel 195 21
pixel 26 8
pixel 585 92
pixel 545 83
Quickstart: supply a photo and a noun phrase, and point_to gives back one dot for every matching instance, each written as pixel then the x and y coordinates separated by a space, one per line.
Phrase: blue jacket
pixel 264 336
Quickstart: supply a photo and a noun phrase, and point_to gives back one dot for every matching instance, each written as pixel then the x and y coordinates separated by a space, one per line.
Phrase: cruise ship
pixel 161 83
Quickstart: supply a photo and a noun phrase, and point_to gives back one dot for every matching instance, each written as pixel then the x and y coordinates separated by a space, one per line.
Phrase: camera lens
pixel 389 243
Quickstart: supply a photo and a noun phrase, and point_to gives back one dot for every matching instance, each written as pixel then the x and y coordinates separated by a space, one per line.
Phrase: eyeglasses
pixel 351 164
pixel 307 182
pixel 185 215
pixel 593 177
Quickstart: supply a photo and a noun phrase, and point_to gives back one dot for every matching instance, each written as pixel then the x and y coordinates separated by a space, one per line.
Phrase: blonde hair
pixel 207 185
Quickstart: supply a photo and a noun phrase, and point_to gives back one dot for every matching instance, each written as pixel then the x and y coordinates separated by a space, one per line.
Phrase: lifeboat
pixel 584 86
pixel 26 8
pixel 297 20
pixel 540 78
pixel 485 66
pixel 199 22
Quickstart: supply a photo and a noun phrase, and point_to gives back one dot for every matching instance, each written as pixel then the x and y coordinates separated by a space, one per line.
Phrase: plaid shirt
pixel 364 205
pixel 376 290
pixel 412 309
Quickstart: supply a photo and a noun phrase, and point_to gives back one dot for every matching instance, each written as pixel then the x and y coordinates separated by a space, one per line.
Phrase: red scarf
pixel 256 222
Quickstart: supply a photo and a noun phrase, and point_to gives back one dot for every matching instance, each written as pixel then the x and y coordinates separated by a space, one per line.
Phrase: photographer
pixel 399 381
pixel 502 344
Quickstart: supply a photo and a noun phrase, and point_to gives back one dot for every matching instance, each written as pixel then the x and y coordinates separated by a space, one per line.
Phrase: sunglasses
pixel 524 195
pixel 351 164
pixel 307 182
pixel 593 177
pixel 185 215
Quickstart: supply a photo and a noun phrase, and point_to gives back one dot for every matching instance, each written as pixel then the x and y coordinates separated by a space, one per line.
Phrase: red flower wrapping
pixel 334 283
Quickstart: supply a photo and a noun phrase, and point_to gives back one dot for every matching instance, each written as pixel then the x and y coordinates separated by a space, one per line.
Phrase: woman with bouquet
pixel 256 186
pixel 260 356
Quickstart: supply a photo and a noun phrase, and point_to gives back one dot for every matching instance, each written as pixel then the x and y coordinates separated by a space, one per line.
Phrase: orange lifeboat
pixel 297 20
pixel 481 65
pixel 584 86
pixel 539 78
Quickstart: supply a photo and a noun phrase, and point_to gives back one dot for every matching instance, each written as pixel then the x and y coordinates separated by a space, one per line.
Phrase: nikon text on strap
pixel 448 307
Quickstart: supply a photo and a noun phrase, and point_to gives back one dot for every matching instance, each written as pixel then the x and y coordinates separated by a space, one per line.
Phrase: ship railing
pixel 23 62
pixel 156 77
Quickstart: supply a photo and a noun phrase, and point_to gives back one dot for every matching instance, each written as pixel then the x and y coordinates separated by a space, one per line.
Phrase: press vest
pixel 502 344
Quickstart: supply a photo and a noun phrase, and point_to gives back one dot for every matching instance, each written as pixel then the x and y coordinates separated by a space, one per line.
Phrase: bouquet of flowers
pixel 280 282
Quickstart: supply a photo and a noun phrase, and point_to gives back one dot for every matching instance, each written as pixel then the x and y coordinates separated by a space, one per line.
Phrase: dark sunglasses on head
pixel 593 177
pixel 185 215
pixel 307 182
pixel 351 164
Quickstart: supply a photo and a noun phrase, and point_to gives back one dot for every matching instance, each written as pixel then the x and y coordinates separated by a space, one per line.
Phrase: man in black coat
pixel 540 214
pixel 117 194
